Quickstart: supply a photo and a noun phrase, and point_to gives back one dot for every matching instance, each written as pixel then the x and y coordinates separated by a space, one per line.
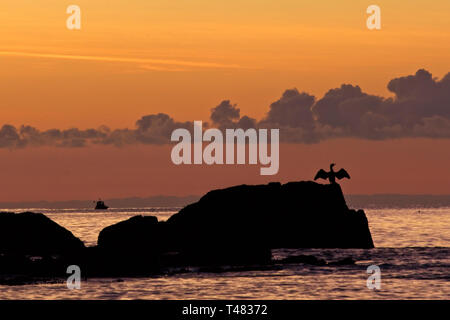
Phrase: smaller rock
pixel 35 234
pixel 136 233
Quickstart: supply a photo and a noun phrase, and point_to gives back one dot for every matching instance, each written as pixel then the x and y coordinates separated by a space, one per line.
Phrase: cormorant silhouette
pixel 332 175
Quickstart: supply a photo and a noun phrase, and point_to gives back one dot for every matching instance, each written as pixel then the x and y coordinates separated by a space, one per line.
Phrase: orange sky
pixel 183 57
pixel 255 50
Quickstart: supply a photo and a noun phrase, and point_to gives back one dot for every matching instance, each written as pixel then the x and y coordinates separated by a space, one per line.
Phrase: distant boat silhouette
pixel 332 175
pixel 101 205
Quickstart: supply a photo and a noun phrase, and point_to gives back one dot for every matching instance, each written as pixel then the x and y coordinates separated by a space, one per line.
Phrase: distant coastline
pixel 131 202
pixel 378 201
pixel 354 201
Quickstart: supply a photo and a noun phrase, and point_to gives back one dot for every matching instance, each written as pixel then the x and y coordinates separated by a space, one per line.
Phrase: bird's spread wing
pixel 321 174
pixel 342 174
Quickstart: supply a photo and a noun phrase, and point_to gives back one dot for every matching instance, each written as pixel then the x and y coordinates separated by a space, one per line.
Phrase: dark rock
pixel 240 225
pixel 33 247
pixel 136 233
pixel 131 247
pixel 35 234
pixel 294 215
pixel 237 226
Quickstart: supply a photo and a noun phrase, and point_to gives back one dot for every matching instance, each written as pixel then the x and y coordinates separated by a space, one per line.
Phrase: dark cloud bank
pixel 420 108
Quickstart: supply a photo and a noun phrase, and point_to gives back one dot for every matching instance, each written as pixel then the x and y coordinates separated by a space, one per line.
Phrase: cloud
pixel 344 106
pixel 9 137
pixel 225 113
pixel 227 116
pixel 420 108
pixel 245 123
pixel 157 128
pixel 419 96
pixel 292 110
pixel 292 115
pixel 150 129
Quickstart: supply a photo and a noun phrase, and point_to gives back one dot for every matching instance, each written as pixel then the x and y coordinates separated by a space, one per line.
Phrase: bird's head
pixel 332 165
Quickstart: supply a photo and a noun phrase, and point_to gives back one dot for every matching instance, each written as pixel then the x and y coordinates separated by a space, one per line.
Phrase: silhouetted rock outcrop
pixel 136 233
pixel 294 215
pixel 35 234
pixel 33 247
pixel 130 247
pixel 239 225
